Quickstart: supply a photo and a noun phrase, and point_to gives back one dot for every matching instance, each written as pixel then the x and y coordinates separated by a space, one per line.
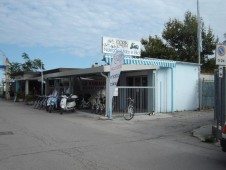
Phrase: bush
pixel 19 95
pixel 29 99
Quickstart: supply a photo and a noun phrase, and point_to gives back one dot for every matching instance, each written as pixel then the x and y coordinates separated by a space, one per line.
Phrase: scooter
pixel 52 103
pixel 67 103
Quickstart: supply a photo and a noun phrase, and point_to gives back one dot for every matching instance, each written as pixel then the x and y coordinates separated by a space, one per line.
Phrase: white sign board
pixel 221 70
pixel 116 92
pixel 221 55
pixel 128 47
pixel 115 70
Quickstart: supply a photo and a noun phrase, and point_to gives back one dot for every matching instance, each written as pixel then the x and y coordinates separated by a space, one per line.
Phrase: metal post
pixel 219 106
pixel 199 51
pixel 172 92
pixel 42 80
pixel 223 98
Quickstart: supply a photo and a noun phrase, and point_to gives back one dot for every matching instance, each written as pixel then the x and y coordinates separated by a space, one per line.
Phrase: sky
pixel 68 33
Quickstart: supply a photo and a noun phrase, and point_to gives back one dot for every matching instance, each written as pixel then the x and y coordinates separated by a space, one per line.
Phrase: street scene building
pixel 156 85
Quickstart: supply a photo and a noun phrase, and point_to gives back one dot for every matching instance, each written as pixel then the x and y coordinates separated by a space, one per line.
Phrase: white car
pixel 223 139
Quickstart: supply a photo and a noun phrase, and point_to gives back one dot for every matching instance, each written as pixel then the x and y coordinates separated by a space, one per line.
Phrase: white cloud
pixel 78 25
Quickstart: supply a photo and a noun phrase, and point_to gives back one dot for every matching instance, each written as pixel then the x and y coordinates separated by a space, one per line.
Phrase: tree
pixel 181 42
pixel 155 47
pixel 28 65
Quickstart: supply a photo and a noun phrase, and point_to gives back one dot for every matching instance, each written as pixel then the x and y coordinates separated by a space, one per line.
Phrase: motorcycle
pixel 68 103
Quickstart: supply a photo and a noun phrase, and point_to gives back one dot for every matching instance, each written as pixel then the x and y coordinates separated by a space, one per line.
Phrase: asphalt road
pixel 33 139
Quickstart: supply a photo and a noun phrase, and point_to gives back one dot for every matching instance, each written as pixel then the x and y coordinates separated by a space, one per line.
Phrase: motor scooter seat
pixel 70 100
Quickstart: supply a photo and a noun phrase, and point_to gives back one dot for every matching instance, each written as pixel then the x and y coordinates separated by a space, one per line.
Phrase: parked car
pixel 223 139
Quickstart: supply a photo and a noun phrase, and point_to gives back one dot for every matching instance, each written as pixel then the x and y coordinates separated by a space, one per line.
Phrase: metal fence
pixel 144 100
pixel 208 94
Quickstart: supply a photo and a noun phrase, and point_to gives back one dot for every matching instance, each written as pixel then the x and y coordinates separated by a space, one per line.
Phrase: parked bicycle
pixel 40 102
pixel 98 106
pixel 128 114
pixel 101 105
pixel 85 103
pixel 36 102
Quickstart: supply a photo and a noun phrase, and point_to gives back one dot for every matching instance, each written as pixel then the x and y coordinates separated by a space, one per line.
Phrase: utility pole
pixel 224 42
pixel 42 79
pixel 199 37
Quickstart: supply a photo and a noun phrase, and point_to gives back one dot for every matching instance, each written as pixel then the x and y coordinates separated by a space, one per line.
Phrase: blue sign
pixel 221 55
pixel 221 51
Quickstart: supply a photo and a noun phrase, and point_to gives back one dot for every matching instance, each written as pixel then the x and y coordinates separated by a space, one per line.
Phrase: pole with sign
pixel 221 70
pixel 221 55
pixel 221 58
pixel 220 90
pixel 115 69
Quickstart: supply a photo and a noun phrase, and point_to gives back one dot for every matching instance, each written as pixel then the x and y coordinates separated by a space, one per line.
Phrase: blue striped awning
pixel 143 61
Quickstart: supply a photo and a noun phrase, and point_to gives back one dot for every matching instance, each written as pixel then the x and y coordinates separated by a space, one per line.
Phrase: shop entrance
pixel 136 88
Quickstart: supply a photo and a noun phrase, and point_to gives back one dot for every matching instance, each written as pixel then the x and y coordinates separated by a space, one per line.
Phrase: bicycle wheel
pixel 128 113
pixel 61 111
pixel 102 107
pixel 93 108
pixel 97 109
pixel 35 104
pixel 50 108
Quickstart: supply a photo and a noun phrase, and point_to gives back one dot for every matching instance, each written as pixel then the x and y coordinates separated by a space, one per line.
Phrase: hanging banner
pixel 115 70
pixel 128 47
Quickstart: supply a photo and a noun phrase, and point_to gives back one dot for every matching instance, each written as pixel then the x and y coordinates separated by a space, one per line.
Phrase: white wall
pixel 209 77
pixel 186 94
pixel 163 90
pixel 182 93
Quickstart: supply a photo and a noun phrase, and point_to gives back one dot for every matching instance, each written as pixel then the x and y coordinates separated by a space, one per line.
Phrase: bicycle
pixel 128 114
pixel 85 104
pixel 101 105
pixel 98 105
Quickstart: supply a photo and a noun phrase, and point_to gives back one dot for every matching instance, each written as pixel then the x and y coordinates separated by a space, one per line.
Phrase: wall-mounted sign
pixel 221 71
pixel 221 55
pixel 128 47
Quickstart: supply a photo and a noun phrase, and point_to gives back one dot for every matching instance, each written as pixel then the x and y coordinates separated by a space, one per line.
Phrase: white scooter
pixel 67 103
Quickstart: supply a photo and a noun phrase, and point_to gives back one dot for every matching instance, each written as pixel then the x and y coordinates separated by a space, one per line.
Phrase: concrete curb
pixel 203 133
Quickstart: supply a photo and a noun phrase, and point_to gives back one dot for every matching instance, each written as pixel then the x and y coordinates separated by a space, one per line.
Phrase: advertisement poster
pixel 115 70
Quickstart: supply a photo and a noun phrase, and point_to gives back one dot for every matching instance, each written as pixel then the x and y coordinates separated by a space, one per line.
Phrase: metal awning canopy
pixel 98 70
pixel 130 64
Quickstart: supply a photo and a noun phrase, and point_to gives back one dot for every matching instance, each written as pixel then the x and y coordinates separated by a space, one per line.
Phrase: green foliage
pixel 20 95
pixel 29 98
pixel 209 66
pixel 154 47
pixel 180 42
pixel 28 65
